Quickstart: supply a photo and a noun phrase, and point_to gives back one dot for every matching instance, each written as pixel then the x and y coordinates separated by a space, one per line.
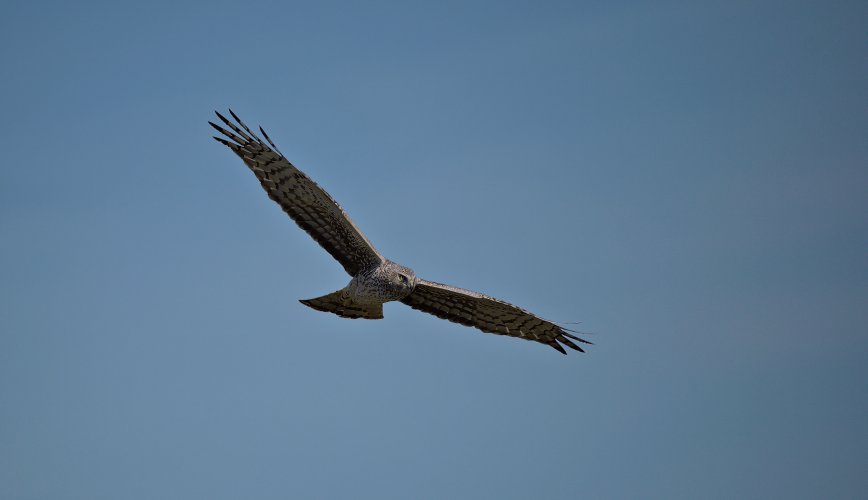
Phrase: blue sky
pixel 686 179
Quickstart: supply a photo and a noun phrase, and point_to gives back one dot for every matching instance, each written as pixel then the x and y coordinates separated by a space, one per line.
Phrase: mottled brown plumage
pixel 376 280
pixel 301 198
pixel 487 314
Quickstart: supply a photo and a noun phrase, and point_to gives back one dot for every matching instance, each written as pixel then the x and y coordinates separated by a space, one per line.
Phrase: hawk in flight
pixel 375 279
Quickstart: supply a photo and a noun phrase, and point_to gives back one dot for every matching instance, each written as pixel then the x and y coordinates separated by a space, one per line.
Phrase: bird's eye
pixel 403 278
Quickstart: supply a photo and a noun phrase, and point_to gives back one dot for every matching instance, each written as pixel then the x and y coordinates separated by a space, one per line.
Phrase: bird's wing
pixel 302 199
pixel 488 314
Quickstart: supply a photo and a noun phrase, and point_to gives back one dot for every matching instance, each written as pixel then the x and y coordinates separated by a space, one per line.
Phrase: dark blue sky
pixel 688 180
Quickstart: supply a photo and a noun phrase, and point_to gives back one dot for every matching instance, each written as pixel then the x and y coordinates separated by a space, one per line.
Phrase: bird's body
pixel 387 282
pixel 375 279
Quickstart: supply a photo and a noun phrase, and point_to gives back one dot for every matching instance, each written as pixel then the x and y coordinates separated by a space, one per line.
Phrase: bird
pixel 375 279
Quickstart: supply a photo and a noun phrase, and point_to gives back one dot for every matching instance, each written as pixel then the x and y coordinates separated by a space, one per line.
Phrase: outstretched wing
pixel 488 314
pixel 302 199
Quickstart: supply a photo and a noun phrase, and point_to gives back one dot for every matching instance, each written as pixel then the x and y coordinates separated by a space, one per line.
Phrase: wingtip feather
pixel 219 128
pixel 558 347
pixel 569 343
pixel 222 118
pixel 565 333
pixel 264 133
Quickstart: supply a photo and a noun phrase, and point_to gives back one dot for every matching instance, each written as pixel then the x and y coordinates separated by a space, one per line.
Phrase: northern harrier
pixel 375 279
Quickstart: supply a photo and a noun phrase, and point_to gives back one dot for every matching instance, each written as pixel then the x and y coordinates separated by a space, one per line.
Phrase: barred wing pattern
pixel 488 314
pixel 302 199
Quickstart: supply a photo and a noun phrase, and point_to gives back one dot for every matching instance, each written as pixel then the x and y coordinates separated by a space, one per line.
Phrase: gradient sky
pixel 686 179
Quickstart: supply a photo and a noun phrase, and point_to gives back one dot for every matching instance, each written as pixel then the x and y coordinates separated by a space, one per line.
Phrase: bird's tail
pixel 338 303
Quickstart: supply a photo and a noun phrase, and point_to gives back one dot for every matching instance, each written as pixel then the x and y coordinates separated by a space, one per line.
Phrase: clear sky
pixel 686 179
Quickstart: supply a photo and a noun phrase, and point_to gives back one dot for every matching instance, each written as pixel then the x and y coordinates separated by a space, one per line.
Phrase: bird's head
pixel 403 278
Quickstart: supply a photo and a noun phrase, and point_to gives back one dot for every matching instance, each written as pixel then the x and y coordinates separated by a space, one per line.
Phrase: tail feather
pixel 337 303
